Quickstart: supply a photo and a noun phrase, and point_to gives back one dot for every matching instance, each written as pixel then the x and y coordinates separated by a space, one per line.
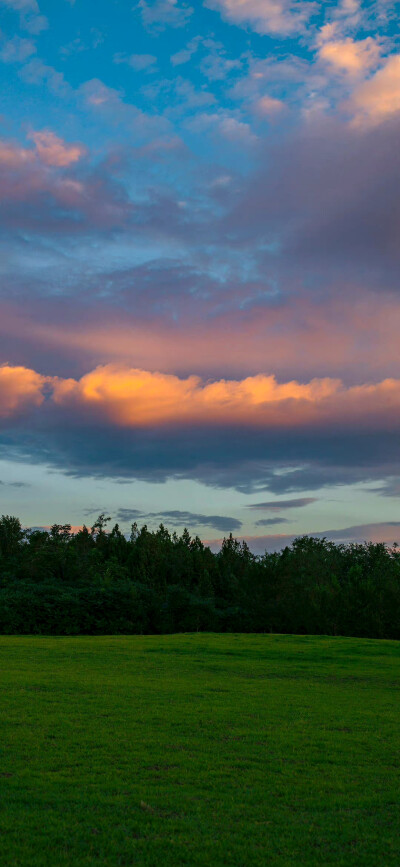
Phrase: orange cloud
pixel 378 98
pixel 134 398
pixel 21 389
pixel 130 397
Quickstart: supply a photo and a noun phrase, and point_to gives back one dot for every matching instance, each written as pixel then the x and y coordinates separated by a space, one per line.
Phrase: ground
pixel 236 750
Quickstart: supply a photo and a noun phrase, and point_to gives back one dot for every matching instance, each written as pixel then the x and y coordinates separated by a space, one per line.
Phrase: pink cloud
pixel 282 17
pixel 268 106
pixel 12 156
pixel 36 190
pixel 354 57
pixel 54 151
pixel 353 333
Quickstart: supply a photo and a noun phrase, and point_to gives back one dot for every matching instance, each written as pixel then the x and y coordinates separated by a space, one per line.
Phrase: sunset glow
pixel 200 261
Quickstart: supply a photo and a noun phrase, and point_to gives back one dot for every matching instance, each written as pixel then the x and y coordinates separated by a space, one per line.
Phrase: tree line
pixel 99 581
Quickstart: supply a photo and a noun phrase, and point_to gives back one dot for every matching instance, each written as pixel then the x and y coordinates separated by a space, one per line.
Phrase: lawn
pixel 199 750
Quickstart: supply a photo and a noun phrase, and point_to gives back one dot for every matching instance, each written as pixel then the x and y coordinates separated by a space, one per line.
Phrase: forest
pixel 100 581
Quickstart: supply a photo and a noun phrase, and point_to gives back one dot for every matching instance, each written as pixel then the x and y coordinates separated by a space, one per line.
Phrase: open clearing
pixel 199 749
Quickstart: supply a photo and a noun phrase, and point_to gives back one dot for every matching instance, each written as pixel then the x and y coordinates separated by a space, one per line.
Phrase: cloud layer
pixel 255 434
pixel 131 398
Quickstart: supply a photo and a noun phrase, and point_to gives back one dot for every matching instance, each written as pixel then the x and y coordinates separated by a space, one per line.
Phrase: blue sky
pixel 199 297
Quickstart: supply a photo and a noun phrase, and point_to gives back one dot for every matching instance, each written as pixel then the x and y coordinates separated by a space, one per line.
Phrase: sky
pixel 199 266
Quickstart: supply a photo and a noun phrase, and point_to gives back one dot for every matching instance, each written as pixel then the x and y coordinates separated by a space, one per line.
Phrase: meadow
pixel 199 749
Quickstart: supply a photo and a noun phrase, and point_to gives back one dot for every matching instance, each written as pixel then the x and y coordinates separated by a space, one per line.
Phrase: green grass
pixel 199 750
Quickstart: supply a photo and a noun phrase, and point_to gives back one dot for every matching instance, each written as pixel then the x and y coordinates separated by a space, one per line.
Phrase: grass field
pixel 199 750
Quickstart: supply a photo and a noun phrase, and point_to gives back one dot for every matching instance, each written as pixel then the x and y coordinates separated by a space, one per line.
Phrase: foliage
pixel 98 581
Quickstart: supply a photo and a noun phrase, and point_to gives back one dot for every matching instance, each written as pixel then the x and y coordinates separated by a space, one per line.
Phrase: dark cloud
pixel 15 484
pixel 391 488
pixel 128 516
pixel 177 518
pixel 215 457
pixel 329 202
pixel 278 505
pixel 270 522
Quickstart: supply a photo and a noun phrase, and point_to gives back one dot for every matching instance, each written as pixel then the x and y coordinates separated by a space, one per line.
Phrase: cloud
pixel 354 57
pixel 255 434
pixel 13 156
pixel 225 126
pixel 181 519
pixel 185 54
pixel 140 398
pixel 108 104
pixel 378 98
pixel 29 14
pixel 349 10
pixel 54 151
pixel 15 484
pixel 391 488
pixel 35 195
pixel 50 151
pixel 216 66
pixel 96 93
pixel 17 50
pixel 139 62
pixel 21 390
pixel 159 14
pixel 270 522
pixel 279 505
pixel 167 316
pixel 280 17
pixel 38 73
pixel 268 106
pixel 327 201
pixel 128 317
